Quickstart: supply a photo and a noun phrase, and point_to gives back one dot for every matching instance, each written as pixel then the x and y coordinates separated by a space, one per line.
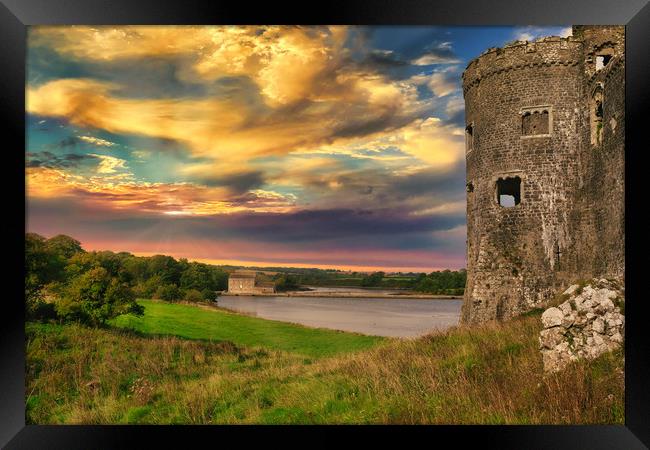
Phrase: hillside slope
pixel 488 374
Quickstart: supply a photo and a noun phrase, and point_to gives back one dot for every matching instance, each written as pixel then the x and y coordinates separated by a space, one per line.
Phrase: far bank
pixel 346 292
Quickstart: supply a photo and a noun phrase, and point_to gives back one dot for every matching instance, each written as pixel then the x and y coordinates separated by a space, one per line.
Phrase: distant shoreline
pixel 348 295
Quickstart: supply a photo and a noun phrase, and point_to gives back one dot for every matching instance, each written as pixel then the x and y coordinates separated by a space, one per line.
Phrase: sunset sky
pixel 335 147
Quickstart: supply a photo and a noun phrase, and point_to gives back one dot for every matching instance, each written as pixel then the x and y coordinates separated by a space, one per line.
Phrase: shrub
pixel 168 292
pixel 150 286
pixel 209 295
pixel 192 295
pixel 38 309
pixel 95 297
pixel 139 291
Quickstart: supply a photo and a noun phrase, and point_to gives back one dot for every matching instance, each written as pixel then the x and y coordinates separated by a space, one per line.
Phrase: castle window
pixel 469 137
pixel 535 123
pixel 602 60
pixel 596 115
pixel 509 191
pixel 603 56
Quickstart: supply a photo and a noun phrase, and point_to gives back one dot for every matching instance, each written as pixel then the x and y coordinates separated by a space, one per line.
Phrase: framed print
pixel 423 217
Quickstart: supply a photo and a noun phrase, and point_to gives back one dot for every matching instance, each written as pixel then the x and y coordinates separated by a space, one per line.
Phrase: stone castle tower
pixel 545 129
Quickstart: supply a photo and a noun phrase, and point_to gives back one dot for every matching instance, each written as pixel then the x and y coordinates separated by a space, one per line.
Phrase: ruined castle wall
pixel 569 221
pixel 602 197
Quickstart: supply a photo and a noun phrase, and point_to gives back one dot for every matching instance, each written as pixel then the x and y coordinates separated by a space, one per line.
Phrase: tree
pixel 110 261
pixel 166 267
pixel 63 245
pixel 202 276
pixel 195 276
pixel 442 282
pixel 285 282
pixel 58 270
pixel 80 263
pixel 218 278
pixel 148 288
pixel 95 297
pixel 42 267
pixel 36 261
pixel 41 261
pixel 136 267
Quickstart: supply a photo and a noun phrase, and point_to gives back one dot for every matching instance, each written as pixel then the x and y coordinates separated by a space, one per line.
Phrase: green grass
pixel 488 374
pixel 191 322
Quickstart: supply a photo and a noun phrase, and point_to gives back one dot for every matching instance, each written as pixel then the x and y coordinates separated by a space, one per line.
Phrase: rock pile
pixel 589 323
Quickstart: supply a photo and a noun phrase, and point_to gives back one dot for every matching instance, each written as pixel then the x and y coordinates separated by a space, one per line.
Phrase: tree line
pixel 65 282
pixel 444 282
pixel 449 282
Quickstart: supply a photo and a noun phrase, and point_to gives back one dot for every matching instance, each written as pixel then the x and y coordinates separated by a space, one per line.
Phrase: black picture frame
pixel 16 15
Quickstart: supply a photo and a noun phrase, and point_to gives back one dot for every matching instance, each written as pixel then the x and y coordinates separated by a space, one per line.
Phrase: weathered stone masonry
pixel 545 126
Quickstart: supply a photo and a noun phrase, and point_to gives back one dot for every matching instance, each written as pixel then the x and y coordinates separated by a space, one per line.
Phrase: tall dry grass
pixel 490 374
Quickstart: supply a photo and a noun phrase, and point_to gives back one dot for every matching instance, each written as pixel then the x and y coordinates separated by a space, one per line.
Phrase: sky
pixel 333 147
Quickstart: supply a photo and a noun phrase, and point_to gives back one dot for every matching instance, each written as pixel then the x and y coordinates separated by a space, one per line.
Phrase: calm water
pixel 375 316
pixel 352 290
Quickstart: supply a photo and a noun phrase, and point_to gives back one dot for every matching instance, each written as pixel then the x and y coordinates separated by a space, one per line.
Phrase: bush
pixel 95 297
pixel 192 295
pixel 209 295
pixel 40 310
pixel 150 286
pixel 139 291
pixel 168 292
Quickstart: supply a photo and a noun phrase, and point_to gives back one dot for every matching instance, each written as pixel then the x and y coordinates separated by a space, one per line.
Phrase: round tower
pixel 525 112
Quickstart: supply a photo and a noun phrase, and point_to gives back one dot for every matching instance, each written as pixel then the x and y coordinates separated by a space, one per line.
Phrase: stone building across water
pixel 545 152
pixel 247 282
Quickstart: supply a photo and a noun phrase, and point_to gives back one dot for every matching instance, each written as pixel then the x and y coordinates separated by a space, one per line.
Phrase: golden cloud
pixel 284 61
pixel 109 164
pixel 97 141
pixel 316 102
pixel 222 129
pixel 164 198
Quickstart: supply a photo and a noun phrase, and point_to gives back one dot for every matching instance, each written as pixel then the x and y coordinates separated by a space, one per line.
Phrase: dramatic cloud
pixel 322 145
pixel 225 129
pixel 109 191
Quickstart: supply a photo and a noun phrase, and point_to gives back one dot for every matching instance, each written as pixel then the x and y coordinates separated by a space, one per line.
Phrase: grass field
pixel 491 374
pixel 191 322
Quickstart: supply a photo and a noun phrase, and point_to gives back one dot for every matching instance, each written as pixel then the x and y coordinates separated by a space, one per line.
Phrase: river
pixel 398 317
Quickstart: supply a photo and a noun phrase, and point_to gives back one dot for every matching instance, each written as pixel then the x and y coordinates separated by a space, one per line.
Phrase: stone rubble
pixel 589 323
